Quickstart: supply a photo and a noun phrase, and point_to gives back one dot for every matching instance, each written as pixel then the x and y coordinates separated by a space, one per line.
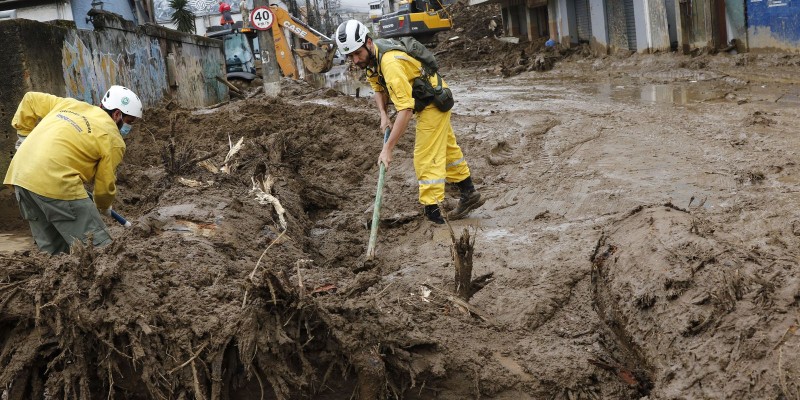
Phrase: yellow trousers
pixel 437 157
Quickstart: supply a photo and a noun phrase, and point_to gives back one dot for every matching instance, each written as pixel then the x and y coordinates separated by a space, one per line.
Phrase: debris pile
pixel 478 40
pixel 214 293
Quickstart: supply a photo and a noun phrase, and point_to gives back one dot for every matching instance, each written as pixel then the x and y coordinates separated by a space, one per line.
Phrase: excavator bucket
pixel 317 60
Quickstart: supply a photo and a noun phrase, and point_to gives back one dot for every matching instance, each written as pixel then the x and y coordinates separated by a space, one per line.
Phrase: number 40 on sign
pixel 261 18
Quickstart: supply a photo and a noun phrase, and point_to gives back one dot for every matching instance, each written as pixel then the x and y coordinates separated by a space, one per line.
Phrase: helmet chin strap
pixel 372 61
pixel 121 120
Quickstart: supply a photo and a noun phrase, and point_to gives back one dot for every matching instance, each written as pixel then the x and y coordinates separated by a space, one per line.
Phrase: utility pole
pixel 293 9
pixel 310 19
pixel 317 17
pixel 328 23
pixel 269 63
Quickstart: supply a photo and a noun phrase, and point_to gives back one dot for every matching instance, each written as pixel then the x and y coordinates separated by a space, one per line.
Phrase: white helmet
pixel 350 36
pixel 124 99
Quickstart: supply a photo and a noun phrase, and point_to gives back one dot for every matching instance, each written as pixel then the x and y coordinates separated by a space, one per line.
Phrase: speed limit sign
pixel 261 18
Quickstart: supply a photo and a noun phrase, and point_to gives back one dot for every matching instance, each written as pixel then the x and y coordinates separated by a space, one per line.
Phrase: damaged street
pixel 641 230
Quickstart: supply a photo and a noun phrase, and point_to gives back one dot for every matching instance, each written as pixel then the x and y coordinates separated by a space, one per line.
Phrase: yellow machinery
pixel 316 60
pixel 240 65
pixel 417 18
pixel 238 50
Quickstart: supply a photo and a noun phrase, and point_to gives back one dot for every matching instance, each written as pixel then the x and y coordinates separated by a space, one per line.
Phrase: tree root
pixel 67 336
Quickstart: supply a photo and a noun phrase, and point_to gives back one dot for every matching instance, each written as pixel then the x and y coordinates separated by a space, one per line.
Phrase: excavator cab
pixel 238 50
pixel 418 18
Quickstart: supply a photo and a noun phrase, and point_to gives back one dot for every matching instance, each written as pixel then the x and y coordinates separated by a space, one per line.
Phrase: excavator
pixel 237 45
pixel 316 51
pixel 418 18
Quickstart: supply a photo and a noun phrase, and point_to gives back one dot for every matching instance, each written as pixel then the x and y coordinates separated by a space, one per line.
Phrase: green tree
pixel 183 17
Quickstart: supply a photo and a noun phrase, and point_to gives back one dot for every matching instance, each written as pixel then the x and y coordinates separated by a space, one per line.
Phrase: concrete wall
pixel 15 58
pixel 60 59
pixel 47 12
pixel 672 20
pixel 552 19
pixel 652 29
pixel 597 10
pixel 736 23
pixel 617 29
pixel 536 19
pixel 566 28
pixel 696 30
pixel 640 15
pixel 699 24
pixel 773 25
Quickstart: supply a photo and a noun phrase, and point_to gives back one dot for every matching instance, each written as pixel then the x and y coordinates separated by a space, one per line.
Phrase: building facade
pixel 646 26
pixel 773 24
pixel 75 10
pixel 375 14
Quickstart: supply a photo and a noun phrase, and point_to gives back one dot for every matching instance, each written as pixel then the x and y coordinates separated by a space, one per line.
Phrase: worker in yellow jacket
pixel 64 143
pixel 437 157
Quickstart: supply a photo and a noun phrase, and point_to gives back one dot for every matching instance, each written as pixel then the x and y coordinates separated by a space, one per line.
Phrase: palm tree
pixel 183 16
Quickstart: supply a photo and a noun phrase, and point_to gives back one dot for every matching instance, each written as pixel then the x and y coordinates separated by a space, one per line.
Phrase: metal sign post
pixel 262 19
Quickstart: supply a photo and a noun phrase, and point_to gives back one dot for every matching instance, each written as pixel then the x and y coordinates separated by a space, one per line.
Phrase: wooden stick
pixel 473 310
pixel 197 389
pixel 376 209
pixel 252 274
pixel 461 252
pixel 189 360
pixel 262 188
pixel 229 85
pixel 300 285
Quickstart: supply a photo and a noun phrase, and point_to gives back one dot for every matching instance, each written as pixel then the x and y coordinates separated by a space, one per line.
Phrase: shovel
pixel 119 218
pixel 376 210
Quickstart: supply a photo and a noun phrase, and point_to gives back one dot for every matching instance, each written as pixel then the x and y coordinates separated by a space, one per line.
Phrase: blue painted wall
pixel 773 24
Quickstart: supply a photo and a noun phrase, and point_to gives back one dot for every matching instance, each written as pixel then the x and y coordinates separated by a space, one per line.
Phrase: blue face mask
pixel 125 130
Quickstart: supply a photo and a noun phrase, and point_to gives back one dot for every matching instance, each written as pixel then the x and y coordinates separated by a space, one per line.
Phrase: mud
pixel 641 227
pixel 690 302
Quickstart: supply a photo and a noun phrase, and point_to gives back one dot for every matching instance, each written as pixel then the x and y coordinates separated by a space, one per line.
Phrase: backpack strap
pixel 384 46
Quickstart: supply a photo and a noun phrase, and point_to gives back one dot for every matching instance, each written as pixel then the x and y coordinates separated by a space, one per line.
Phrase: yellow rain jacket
pixel 399 70
pixel 68 143
pixel 437 156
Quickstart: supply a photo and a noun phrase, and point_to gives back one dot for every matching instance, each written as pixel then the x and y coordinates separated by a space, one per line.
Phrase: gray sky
pixel 356 5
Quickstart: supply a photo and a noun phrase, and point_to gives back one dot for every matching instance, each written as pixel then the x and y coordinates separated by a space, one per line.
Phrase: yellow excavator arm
pixel 320 59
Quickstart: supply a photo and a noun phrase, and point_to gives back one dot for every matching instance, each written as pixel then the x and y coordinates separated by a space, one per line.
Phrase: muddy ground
pixel 641 227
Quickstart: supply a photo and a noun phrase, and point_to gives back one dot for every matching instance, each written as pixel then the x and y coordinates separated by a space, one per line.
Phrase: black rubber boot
pixel 466 186
pixel 434 214
pixel 470 200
